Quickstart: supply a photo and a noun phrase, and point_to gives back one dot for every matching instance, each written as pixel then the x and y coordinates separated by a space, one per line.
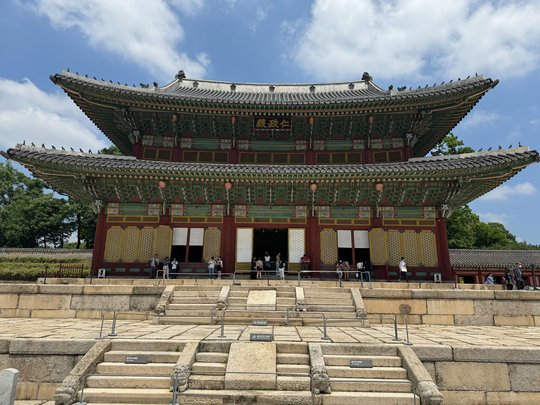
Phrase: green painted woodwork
pixel 409 212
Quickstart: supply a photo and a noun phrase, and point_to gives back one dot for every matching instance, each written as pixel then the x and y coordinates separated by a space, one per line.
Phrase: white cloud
pixel 506 192
pixel 144 32
pixel 417 39
pixel 28 113
pixel 260 15
pixel 493 217
pixel 480 117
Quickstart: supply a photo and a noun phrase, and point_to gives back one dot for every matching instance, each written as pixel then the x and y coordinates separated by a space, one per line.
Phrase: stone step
pixel 206 382
pixel 238 293
pixel 329 301
pixel 330 308
pixel 368 385
pixel 192 396
pixel 142 345
pixel 286 294
pixel 188 312
pixel 184 320
pixel 239 320
pixel 127 395
pixel 200 367
pixel 292 347
pixel 293 383
pixel 375 372
pixel 119 356
pixel 351 322
pixel 102 381
pixel 197 288
pixel 354 350
pixel 214 347
pixel 196 294
pixel 191 305
pixel 369 398
pixel 337 314
pixel 212 357
pixel 193 300
pixel 378 361
pixel 155 369
pixel 292 369
pixel 292 358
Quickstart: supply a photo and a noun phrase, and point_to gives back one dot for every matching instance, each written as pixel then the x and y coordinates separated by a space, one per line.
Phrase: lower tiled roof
pixel 473 258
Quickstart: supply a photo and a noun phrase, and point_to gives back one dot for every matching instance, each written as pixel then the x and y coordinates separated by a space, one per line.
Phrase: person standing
pixel 211 267
pixel 346 270
pixel 267 265
pixel 278 263
pixel 166 262
pixel 154 263
pixel 304 263
pixel 490 279
pixel 282 267
pixel 403 270
pixel 339 269
pixel 219 266
pixel 174 268
pixel 259 267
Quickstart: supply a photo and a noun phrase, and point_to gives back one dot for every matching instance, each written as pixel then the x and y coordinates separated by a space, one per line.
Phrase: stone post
pixel 319 375
pixel 8 385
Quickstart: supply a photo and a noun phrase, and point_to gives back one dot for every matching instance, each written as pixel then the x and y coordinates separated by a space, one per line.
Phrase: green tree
pixel 452 145
pixel 85 224
pixel 461 228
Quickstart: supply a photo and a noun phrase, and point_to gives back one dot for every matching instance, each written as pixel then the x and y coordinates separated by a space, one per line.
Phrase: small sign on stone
pixel 261 337
pixel 141 359
pixel 259 322
pixel 361 364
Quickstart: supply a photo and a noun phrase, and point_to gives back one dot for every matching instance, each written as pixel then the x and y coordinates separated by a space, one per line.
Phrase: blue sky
pixel 400 42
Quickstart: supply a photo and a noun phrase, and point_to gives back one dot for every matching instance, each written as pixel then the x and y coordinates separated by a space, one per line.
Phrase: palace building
pixel 337 171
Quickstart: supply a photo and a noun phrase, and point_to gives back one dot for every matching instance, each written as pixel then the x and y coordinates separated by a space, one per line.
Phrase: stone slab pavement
pixel 501 336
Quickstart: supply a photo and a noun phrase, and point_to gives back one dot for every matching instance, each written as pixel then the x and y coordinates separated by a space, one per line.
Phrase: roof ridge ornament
pixel 180 75
pixel 367 77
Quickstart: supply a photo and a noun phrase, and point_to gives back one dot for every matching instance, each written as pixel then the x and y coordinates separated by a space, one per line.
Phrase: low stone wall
pixel 42 364
pixel 483 375
pixel 77 301
pixel 457 307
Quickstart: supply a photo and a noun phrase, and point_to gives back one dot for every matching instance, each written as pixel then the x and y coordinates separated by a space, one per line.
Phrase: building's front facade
pixel 335 171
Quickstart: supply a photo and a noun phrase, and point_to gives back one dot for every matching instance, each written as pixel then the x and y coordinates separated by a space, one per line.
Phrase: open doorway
pixel 273 241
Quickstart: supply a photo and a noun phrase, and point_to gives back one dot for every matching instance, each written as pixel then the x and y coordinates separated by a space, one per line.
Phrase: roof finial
pixel 180 75
pixel 367 77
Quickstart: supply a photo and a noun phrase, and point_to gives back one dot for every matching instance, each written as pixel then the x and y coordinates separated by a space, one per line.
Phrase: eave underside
pixel 440 182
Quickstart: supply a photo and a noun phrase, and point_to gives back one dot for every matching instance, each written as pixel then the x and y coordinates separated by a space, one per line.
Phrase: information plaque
pixel 141 359
pixel 361 364
pixel 259 322
pixel 261 337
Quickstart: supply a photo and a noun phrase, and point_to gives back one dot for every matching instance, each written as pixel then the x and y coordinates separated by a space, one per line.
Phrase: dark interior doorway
pixel 273 241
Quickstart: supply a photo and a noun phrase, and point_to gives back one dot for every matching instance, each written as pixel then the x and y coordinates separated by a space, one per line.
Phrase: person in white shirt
pixel 211 267
pixel 403 270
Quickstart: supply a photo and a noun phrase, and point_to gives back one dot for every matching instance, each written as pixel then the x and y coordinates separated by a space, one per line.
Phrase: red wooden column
pixel 228 244
pixel 444 258
pixel 314 243
pixel 99 242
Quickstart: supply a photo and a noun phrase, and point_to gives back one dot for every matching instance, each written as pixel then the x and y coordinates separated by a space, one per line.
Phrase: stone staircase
pixel 114 381
pixel 385 382
pixel 240 312
pixel 334 302
pixel 284 389
pixel 191 305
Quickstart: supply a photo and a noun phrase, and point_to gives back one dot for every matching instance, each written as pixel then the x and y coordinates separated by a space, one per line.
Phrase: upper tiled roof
pixel 207 91
pixel 474 258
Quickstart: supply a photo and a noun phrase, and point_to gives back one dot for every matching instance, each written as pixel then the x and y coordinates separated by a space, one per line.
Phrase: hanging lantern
pixel 228 185
pixel 233 120
pixel 311 121
pixel 313 187
pixel 379 187
pixel 162 184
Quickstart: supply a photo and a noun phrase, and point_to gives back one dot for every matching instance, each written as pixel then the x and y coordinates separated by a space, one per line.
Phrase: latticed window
pixel 429 212
pixel 364 212
pixel 300 211
pixel 388 212
pixel 240 211
pixel 178 210
pixel 113 209
pixel 216 210
pixel 323 211
pixel 153 209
